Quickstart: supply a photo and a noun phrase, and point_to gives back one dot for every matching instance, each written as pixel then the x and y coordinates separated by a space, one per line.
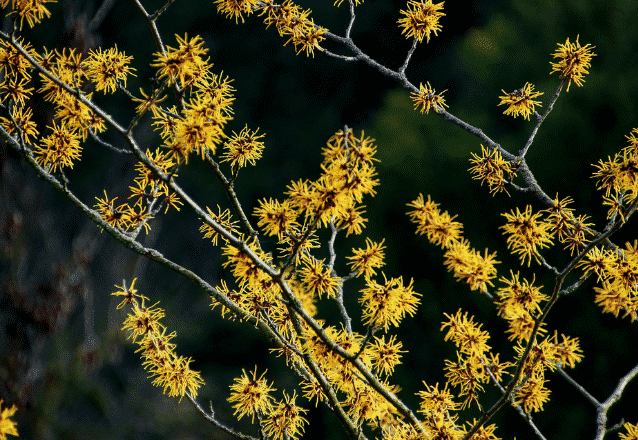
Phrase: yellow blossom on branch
pixel 466 334
pixel 568 351
pixel 22 122
pixel 32 11
pixel 468 373
pixel 15 90
pixel 632 432
pixel 286 419
pixel 224 218
pixel 106 68
pixel 435 402
pixel 183 63
pixel 235 8
pixel 171 372
pixel 527 233
pixel 318 278
pixel 385 355
pixel 572 230
pixel 386 304
pixel 532 395
pixel 441 229
pixel 574 61
pixel 520 101
pixel 522 326
pixel 243 148
pixel 252 395
pixel 469 266
pixel 492 169
pixel 427 97
pixel 60 149
pixel 366 260
pixel 518 297
pixel 421 19
pixel 276 218
pixel 306 36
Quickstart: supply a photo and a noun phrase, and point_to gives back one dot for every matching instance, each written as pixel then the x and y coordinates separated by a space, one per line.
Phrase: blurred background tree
pixel 64 360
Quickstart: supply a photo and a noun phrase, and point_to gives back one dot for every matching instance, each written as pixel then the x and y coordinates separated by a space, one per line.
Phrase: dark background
pixel 67 365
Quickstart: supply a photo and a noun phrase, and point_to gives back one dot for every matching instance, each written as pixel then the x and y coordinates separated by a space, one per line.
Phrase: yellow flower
pixel 33 11
pixel 243 148
pixel 492 169
pixel 286 420
pixel 469 266
pixel 252 395
pixel 15 90
pixel 527 234
pixel 435 401
pixel 574 61
pixel 568 351
pixel 235 8
pixel 106 68
pixel 386 304
pixel 317 278
pixel 385 355
pixel 276 218
pixel 59 149
pixel 22 117
pixel 466 334
pixel 439 227
pixel 366 260
pixel 427 98
pixel 184 63
pixel 421 19
pixel 632 432
pixel 224 219
pixel 519 298
pixel 532 395
pixel 520 101
pixel 7 426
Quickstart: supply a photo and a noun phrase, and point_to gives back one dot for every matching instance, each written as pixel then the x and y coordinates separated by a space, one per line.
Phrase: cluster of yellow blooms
pixel 348 370
pixel 171 371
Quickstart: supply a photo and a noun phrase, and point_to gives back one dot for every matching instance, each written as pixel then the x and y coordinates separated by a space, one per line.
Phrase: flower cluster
pixel 387 304
pixel 617 273
pixel 468 265
pixel 32 11
pixel 149 188
pixel 348 174
pixel 289 19
pixel 243 148
pixel 474 359
pixel 74 117
pixel 349 370
pixel 492 169
pixel 171 372
pixel 619 178
pixel 573 231
pixel 518 302
pixel 532 393
pixel 632 432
